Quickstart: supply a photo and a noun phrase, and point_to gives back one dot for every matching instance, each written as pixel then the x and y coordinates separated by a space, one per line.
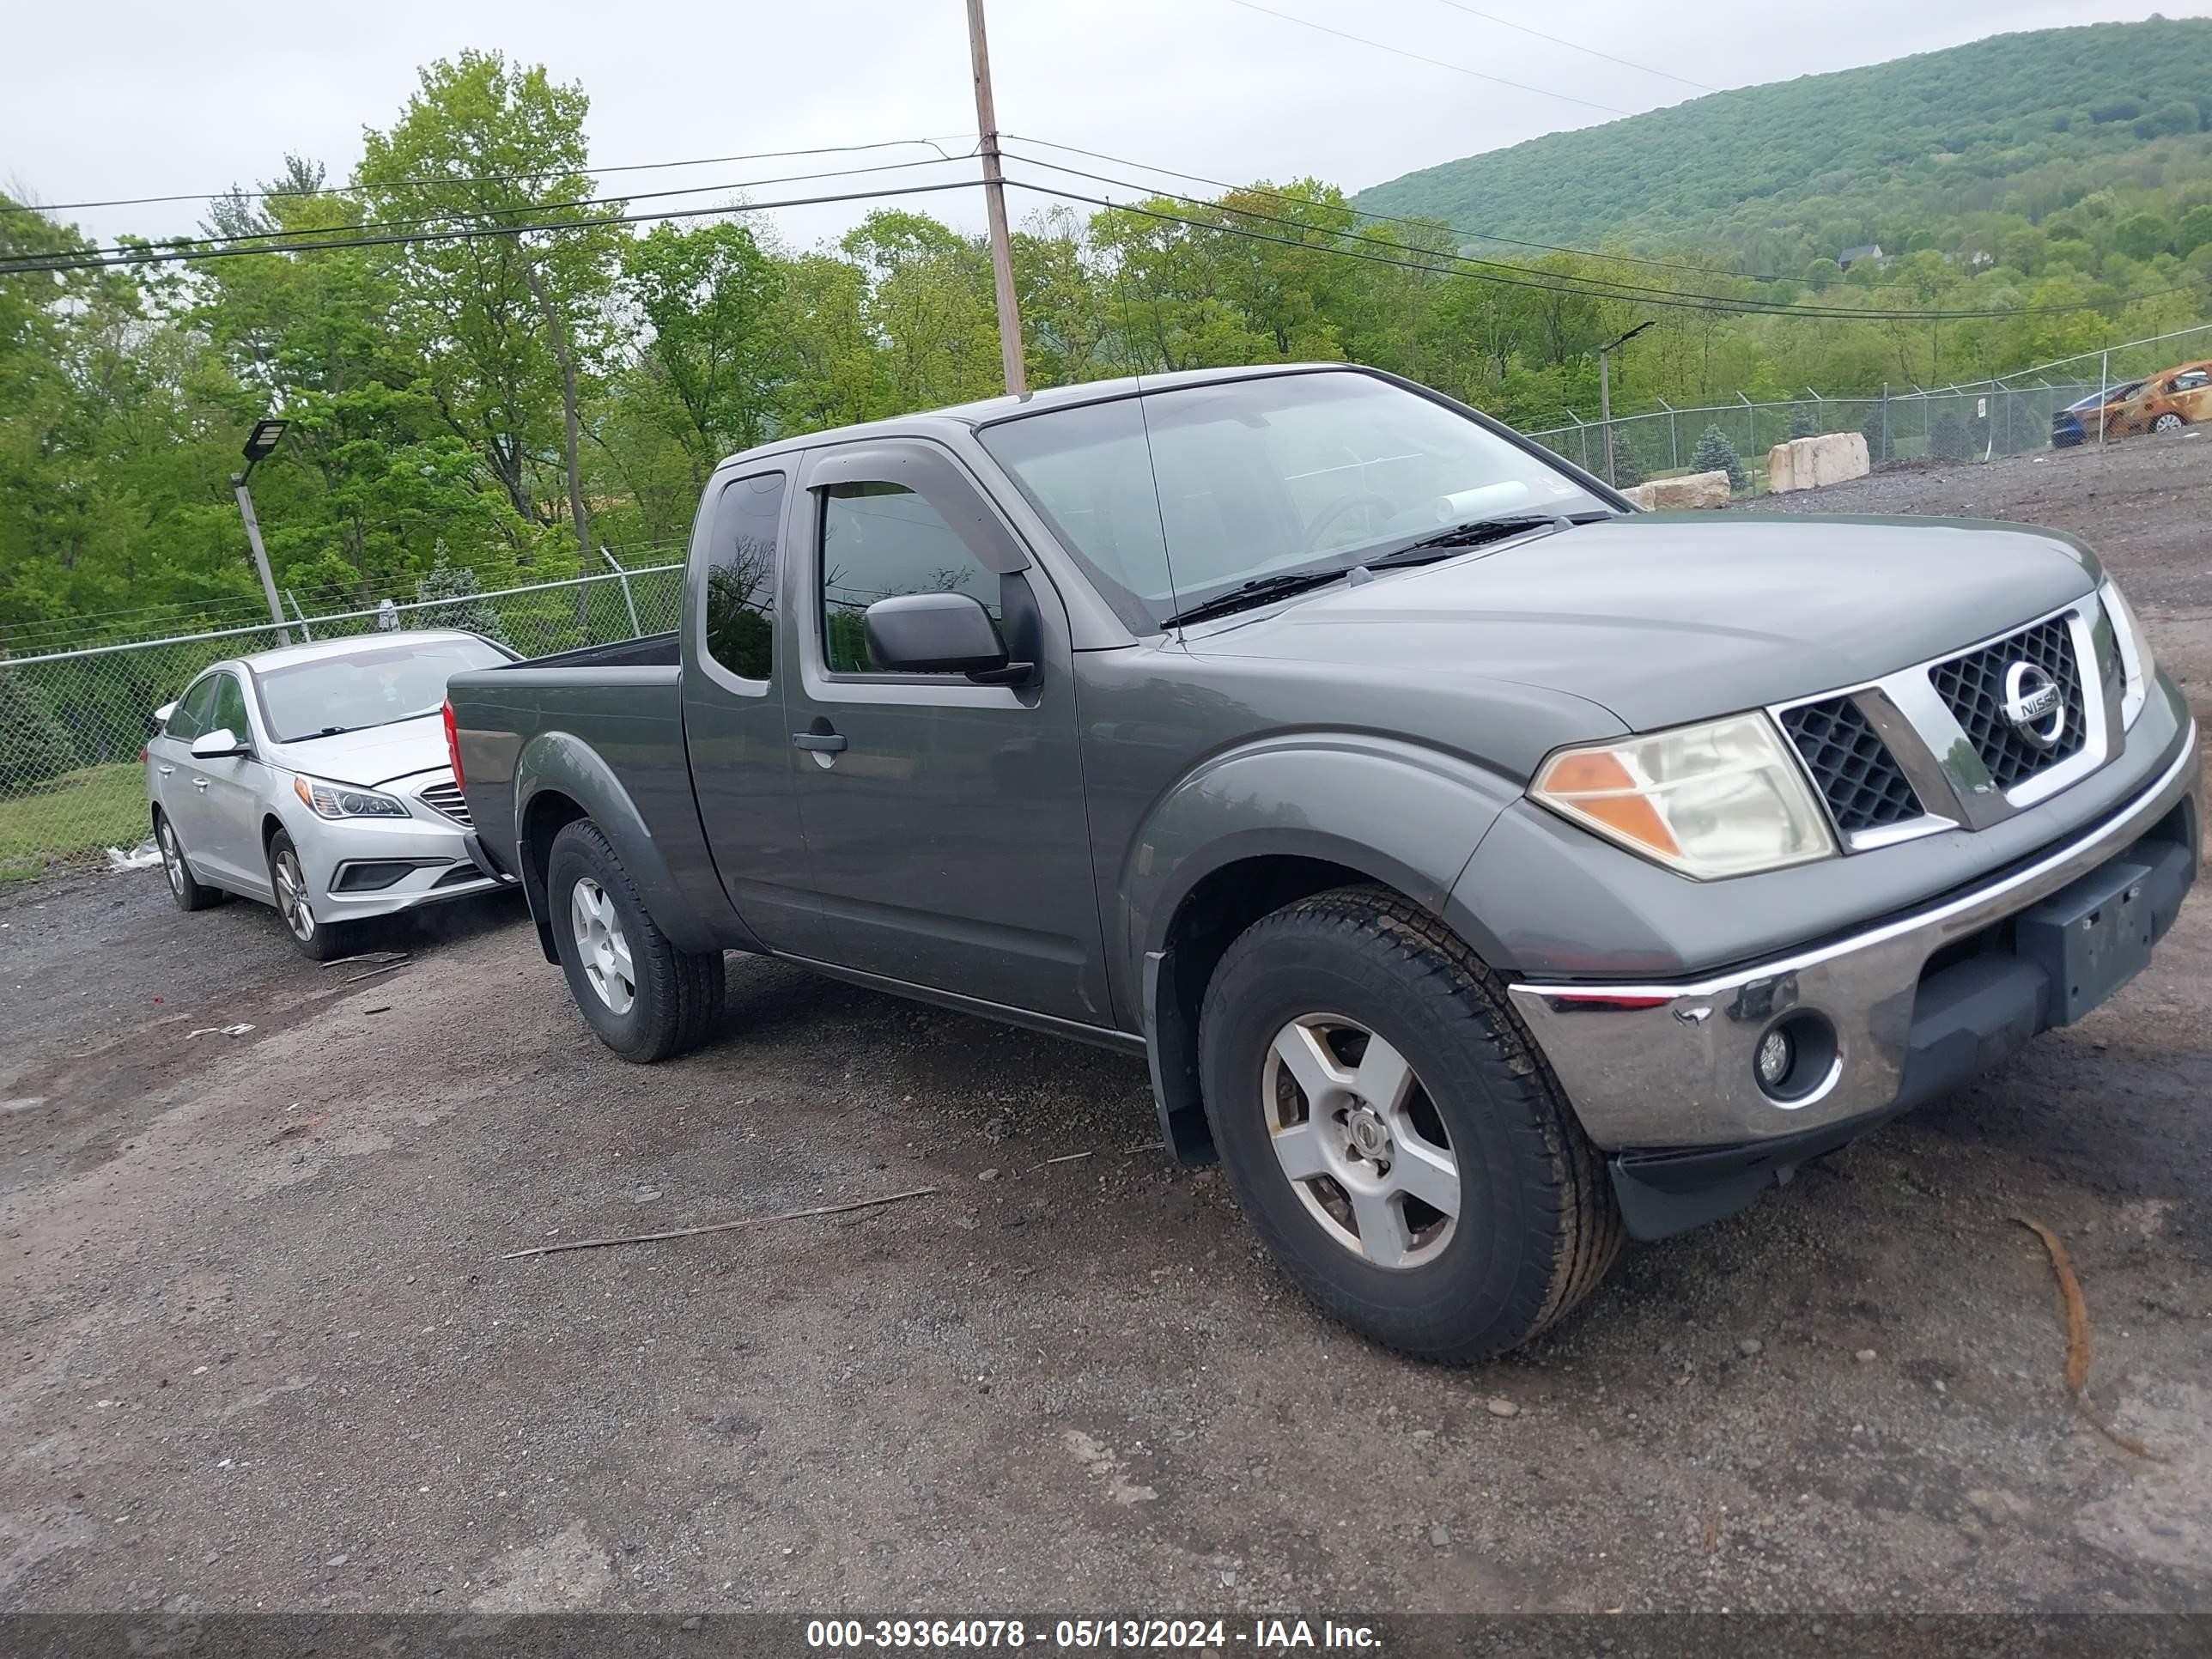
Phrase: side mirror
pixel 941 634
pixel 219 745
pixel 161 717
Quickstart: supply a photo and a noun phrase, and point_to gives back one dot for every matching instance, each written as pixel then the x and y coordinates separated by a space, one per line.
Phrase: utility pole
pixel 995 204
pixel 1605 390
pixel 257 447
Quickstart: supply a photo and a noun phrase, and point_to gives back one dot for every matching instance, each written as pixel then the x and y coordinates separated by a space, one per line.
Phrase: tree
pixel 34 747
pixel 2142 235
pixel 2194 231
pixel 512 318
pixel 1715 454
pixel 1822 274
pixel 1803 423
pixel 455 590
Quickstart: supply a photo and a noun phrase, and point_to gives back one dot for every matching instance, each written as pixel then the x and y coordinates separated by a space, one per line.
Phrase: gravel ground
pixel 263 1350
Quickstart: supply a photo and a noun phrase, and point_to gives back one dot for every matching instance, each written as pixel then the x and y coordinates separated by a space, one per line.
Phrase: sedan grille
pixel 1850 765
pixel 1973 688
pixel 448 798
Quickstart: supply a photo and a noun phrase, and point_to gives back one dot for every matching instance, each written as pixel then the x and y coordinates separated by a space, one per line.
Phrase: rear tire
pixel 2169 423
pixel 315 940
pixel 1458 1104
pixel 189 892
pixel 647 1000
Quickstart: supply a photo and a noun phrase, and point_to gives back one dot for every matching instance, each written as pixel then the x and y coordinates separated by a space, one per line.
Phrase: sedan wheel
pixel 292 901
pixel 2168 421
pixel 1360 1142
pixel 172 861
pixel 601 947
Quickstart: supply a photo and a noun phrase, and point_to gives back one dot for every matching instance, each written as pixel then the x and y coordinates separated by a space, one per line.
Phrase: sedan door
pixel 173 772
pixel 229 788
pixel 945 819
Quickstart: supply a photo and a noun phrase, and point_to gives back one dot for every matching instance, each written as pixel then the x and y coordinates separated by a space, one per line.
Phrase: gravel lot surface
pixel 263 1350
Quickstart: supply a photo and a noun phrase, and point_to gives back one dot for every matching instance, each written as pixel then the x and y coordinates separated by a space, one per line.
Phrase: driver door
pixel 227 789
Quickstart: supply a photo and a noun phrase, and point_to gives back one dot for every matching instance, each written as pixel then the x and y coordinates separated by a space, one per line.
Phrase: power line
pixel 532 207
pixel 1658 298
pixel 1382 218
pixel 488 179
pixel 1573 45
pixel 1435 63
pixel 1621 289
pixel 190 256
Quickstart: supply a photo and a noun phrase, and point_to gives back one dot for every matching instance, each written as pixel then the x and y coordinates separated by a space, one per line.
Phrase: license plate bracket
pixel 2094 935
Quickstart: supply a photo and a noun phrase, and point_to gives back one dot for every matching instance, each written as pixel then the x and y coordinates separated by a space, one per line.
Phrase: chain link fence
pixel 74 723
pixel 2052 405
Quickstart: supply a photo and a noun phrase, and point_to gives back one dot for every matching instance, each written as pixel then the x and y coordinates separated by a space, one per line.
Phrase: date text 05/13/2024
pixel 1217 1635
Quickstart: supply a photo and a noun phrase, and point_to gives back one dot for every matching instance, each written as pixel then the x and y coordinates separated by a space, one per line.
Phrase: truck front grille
pixel 1850 766
pixel 1973 688
pixel 448 798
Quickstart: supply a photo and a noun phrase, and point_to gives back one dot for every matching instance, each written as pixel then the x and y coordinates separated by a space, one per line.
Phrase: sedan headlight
pixel 2134 652
pixel 343 800
pixel 1722 798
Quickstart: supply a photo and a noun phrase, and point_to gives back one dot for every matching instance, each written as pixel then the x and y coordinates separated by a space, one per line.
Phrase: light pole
pixel 1605 390
pixel 260 444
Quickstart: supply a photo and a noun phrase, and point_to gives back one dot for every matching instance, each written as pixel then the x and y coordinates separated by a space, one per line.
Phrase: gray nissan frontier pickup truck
pixel 1487 871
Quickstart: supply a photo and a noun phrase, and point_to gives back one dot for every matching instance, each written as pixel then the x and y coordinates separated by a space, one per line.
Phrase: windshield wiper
pixel 1259 591
pixel 1459 537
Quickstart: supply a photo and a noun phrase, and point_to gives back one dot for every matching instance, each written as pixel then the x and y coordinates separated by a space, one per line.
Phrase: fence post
pixel 1884 421
pixel 623 576
pixel 1674 439
pixel 2104 379
pixel 1751 439
pixel 301 614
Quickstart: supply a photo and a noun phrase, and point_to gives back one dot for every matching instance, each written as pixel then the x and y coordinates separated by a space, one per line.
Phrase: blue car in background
pixel 2077 422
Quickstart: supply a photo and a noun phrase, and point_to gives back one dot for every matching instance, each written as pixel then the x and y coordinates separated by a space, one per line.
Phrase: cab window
pixel 740 596
pixel 228 712
pixel 880 541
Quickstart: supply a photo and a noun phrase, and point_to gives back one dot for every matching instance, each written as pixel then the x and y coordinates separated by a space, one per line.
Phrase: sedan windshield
pixel 326 696
pixel 1175 498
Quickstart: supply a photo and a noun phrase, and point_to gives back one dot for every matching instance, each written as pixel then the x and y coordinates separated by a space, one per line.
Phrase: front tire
pixel 2169 423
pixel 315 940
pixel 187 890
pixel 1393 1135
pixel 646 999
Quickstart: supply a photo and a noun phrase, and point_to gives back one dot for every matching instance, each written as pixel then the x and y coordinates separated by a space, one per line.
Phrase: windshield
pixel 1176 497
pixel 397 682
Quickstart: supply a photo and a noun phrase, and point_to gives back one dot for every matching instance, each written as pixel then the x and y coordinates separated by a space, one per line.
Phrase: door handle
pixel 822 743
pixel 165 770
pixel 199 783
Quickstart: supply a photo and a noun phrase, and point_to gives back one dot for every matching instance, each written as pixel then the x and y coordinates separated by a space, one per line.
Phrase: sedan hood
pixel 375 755
pixel 1665 617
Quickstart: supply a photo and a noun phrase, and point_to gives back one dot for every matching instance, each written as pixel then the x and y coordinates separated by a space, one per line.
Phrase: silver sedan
pixel 316 778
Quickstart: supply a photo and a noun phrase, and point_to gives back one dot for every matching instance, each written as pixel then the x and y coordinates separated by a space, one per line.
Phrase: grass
pixel 79 812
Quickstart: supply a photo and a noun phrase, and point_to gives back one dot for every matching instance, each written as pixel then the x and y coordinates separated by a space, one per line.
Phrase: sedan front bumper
pixel 1666 1074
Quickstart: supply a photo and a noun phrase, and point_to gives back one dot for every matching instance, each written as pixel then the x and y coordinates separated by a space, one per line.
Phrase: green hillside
pixel 2022 124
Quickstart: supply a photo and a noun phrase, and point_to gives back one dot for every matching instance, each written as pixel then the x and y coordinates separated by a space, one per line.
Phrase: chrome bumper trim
pixel 1670 1063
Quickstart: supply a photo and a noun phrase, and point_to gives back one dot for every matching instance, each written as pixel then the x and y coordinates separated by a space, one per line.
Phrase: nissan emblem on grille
pixel 2034 705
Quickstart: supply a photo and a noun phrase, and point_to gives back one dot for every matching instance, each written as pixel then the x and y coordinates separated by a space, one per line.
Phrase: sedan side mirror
pixel 941 634
pixel 161 717
pixel 220 744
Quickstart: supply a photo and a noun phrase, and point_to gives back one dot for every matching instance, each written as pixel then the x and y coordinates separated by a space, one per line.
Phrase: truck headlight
pixel 343 800
pixel 1722 799
pixel 2135 651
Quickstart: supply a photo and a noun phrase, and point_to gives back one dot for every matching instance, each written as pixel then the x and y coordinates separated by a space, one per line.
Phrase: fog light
pixel 1775 1052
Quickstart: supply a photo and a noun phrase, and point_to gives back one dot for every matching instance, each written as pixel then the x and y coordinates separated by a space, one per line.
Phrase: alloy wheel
pixel 292 902
pixel 601 947
pixel 172 860
pixel 1360 1142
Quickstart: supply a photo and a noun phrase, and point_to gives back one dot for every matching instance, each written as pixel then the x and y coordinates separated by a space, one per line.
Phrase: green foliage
pixel 2142 235
pixel 1803 423
pixel 456 588
pixel 34 748
pixel 1782 173
pixel 1715 454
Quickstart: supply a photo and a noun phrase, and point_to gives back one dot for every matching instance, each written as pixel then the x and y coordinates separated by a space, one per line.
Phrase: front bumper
pixel 357 868
pixel 1914 1005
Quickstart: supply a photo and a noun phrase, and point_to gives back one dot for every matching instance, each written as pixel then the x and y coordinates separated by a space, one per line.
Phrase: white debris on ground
pixel 144 856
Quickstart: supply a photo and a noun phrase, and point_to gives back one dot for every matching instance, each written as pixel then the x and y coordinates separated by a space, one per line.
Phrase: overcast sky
pixel 130 98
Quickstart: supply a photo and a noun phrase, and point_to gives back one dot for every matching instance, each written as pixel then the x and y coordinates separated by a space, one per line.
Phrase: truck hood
pixel 1665 617
pixel 374 755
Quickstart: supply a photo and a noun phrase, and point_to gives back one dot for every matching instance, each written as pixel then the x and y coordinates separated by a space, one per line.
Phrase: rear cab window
pixel 739 602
